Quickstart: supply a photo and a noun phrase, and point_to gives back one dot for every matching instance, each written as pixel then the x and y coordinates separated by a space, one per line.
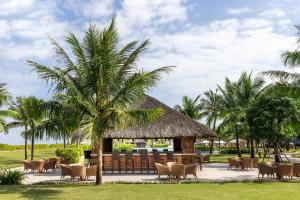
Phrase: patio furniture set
pixel 43 165
pixel 280 170
pixel 242 163
pixel 82 171
pixel 176 170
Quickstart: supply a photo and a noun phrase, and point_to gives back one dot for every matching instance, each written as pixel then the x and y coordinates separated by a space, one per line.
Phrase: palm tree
pixel 4 98
pixel 236 99
pixel 190 107
pixel 211 106
pixel 288 82
pixel 21 118
pixel 103 81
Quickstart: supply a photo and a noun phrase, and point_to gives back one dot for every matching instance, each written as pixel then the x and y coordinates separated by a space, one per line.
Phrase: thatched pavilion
pixel 172 125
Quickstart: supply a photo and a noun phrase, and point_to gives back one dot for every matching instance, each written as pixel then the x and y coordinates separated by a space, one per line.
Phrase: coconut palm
pixel 211 106
pixel 190 107
pixel 103 80
pixel 20 118
pixel 236 99
pixel 4 98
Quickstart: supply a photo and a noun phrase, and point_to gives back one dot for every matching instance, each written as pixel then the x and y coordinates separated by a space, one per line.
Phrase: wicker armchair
pixel 191 169
pixel 206 158
pixel 285 170
pixel 37 165
pixel 65 161
pixel 170 164
pixel 265 170
pixel 296 169
pixel 50 165
pixel 91 171
pixel 255 161
pixel 65 171
pixel 162 170
pixel 57 161
pixel 78 171
pixel 233 163
pixel 27 165
pixel 246 163
pixel 177 170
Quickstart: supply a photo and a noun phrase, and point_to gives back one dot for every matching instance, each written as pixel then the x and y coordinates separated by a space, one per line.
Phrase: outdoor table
pixel 81 165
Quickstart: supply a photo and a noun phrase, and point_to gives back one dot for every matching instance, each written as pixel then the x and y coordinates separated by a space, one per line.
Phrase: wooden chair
pixel 65 171
pixel 170 156
pixel 264 169
pixel 116 158
pixel 156 158
pixel 144 159
pixel 91 171
pixel 162 170
pixel 129 159
pixel 191 169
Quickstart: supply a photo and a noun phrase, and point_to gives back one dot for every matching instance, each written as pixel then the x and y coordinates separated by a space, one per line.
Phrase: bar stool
pixel 144 158
pixel 128 159
pixel 199 158
pixel 170 156
pixel 116 157
pixel 156 159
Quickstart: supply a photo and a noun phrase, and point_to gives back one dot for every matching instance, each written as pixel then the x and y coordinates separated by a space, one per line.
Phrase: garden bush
pixel 11 177
pixel 72 153
pixel 123 147
pixel 164 145
pixel 202 148
pixel 233 151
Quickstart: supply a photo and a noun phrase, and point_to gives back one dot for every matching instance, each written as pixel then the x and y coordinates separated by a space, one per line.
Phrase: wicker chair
pixel 170 164
pixel 91 171
pixel 191 169
pixel 296 169
pixel 65 171
pixel 78 171
pixel 265 170
pixel 285 170
pixel 206 158
pixel 37 165
pixel 233 163
pixel 246 163
pixel 49 165
pixel 255 161
pixel 162 170
pixel 65 161
pixel 57 161
pixel 177 170
pixel 27 165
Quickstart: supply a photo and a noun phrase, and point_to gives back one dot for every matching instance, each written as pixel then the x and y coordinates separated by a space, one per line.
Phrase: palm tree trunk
pixel 32 146
pixel 252 153
pixel 212 139
pixel 25 145
pixel 237 143
pixel 64 140
pixel 99 162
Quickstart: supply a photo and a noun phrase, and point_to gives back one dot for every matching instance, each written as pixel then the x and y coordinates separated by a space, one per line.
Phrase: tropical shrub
pixel 73 154
pixel 202 148
pixel 123 147
pixel 11 177
pixel 233 151
pixel 164 145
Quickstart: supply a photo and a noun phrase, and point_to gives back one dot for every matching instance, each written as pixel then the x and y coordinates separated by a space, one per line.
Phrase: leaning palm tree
pixel 190 107
pixel 211 106
pixel 103 81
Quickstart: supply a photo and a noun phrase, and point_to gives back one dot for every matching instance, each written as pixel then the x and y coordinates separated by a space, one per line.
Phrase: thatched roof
pixel 171 124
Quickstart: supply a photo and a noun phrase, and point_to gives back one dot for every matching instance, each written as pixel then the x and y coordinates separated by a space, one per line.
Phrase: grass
pixel 10 159
pixel 222 158
pixel 224 191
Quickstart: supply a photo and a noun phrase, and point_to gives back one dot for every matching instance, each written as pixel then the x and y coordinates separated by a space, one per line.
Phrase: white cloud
pixel 238 11
pixel 273 13
pixel 14 6
pixel 98 8
pixel 4 29
pixel 284 23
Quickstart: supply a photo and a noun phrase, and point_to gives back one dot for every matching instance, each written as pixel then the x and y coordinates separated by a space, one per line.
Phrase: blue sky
pixel 206 40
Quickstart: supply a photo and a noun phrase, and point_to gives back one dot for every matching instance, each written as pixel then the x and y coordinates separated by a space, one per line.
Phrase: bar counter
pixel 184 158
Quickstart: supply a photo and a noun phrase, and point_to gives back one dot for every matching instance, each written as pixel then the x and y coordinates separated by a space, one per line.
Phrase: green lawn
pixel 224 191
pixel 12 159
pixel 222 158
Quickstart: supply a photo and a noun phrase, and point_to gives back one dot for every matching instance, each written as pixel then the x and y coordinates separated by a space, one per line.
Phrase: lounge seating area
pixel 280 171
pixel 176 170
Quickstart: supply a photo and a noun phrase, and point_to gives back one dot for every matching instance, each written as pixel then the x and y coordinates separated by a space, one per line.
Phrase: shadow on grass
pixel 31 192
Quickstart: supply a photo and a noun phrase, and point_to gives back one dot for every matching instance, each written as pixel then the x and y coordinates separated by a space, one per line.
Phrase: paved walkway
pixel 210 172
